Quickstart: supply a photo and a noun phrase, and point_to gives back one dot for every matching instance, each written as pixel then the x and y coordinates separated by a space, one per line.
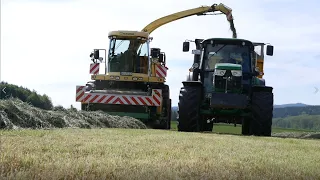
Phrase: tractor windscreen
pixel 128 55
pixel 226 53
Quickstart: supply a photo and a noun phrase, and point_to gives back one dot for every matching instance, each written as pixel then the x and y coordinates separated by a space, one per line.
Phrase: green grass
pixel 153 154
pixel 230 129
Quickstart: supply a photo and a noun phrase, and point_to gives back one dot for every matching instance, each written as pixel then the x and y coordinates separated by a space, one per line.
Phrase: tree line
pixel 295 111
pixel 308 122
pixel 25 95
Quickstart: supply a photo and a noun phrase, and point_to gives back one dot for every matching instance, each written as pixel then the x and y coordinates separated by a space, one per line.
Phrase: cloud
pixel 46 45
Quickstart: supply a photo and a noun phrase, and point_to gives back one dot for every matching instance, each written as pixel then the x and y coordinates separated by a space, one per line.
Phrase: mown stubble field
pixel 153 154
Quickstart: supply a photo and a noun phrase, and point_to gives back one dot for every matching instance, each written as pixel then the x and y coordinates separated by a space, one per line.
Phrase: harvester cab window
pixel 128 55
pixel 142 61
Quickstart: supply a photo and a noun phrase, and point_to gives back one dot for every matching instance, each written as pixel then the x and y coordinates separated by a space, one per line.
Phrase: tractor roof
pixel 128 34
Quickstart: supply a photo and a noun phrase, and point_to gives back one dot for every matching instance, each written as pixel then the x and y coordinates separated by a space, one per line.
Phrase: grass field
pixel 153 154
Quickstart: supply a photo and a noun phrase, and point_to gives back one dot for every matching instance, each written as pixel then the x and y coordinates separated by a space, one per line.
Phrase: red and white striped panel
pixel 154 100
pixel 80 93
pixel 161 71
pixel 94 68
pixel 157 96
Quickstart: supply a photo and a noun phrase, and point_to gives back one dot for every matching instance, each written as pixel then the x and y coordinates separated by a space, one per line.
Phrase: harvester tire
pixel 84 107
pixel 189 109
pixel 167 104
pixel 169 115
pixel 165 118
pixel 262 112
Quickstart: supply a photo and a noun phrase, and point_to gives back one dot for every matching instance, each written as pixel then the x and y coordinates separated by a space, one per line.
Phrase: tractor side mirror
pixel 162 58
pixel 186 46
pixel 270 50
pixel 96 54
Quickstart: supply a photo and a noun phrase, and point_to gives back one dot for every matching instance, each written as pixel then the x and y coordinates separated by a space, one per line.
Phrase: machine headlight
pixel 236 73
pixel 219 72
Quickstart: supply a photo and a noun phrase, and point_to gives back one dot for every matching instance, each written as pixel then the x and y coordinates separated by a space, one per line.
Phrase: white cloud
pixel 46 44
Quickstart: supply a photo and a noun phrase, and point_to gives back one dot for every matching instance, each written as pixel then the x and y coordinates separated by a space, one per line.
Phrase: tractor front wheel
pixel 189 108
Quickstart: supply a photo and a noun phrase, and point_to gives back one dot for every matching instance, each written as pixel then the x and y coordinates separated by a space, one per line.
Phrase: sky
pixel 45 44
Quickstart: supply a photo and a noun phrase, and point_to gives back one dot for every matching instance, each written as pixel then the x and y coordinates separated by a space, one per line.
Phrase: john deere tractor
pixel 225 85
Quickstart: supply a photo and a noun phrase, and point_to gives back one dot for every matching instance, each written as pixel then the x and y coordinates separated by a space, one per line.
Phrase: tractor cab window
pixel 226 53
pixel 128 55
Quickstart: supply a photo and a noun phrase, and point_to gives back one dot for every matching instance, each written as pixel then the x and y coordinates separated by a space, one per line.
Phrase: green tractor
pixel 225 85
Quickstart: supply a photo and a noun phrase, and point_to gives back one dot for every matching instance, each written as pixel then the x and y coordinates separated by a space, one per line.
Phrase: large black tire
pixel 84 107
pixel 165 118
pixel 207 126
pixel 245 126
pixel 262 111
pixel 169 114
pixel 189 108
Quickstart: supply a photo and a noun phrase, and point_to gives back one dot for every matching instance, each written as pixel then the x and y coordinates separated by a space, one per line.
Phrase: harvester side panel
pixel 161 71
pixel 80 93
pixel 94 68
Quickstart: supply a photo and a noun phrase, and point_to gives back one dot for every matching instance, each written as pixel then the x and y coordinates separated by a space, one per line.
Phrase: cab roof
pixel 228 40
pixel 128 34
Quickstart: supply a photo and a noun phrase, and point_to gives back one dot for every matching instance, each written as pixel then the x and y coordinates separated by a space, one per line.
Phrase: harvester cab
pixel 129 54
pixel 226 85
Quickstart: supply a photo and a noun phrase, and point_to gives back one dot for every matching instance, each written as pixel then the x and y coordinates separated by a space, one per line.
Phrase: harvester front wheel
pixel 262 111
pixel 189 108
pixel 164 121
pixel 166 108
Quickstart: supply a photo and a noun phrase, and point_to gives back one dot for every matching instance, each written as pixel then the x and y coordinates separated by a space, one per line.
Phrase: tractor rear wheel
pixel 208 126
pixel 245 126
pixel 262 111
pixel 189 109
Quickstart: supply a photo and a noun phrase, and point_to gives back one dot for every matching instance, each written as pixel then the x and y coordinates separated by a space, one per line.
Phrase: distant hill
pixel 291 105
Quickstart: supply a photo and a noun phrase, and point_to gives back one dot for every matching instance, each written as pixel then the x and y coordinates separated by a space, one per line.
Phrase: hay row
pixel 16 114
